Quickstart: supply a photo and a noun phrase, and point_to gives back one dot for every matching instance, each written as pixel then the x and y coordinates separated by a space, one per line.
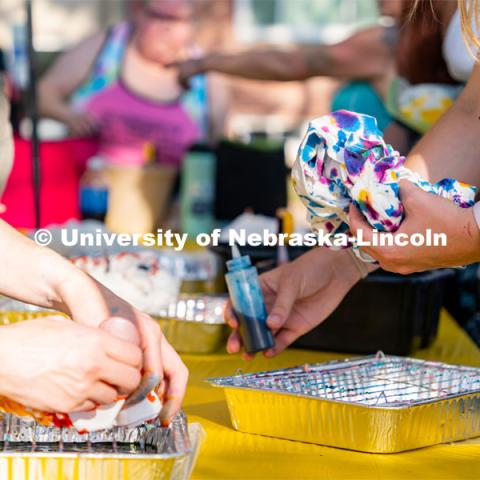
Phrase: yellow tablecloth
pixel 230 454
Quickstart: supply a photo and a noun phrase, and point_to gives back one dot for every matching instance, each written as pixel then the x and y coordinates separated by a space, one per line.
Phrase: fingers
pixel 282 340
pixel 103 394
pixel 407 192
pixel 81 125
pixel 121 351
pixel 176 377
pixel 282 306
pixel 151 342
pixel 122 329
pixel 124 378
pixel 234 342
pixel 229 315
pixel 85 406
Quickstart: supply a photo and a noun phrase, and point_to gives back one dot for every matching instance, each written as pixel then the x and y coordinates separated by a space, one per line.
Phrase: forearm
pixel 450 148
pixel 51 103
pixel 366 54
pixel 261 64
pixel 37 275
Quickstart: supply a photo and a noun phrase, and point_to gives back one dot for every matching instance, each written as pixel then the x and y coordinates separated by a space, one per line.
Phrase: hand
pixel 3 208
pixel 188 69
pixel 54 364
pixel 425 211
pixel 300 295
pixel 158 355
pixel 80 124
pixel 38 275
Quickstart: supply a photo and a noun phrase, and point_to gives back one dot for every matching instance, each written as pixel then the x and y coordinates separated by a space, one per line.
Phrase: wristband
pixel 361 266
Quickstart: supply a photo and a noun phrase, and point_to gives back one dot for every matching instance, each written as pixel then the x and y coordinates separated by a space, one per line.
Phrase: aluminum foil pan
pixel 192 324
pixel 12 311
pixel 381 404
pixel 145 453
pixel 195 323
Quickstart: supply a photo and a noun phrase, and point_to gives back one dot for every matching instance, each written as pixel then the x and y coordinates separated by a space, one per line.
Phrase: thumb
pixel 408 192
pixel 282 306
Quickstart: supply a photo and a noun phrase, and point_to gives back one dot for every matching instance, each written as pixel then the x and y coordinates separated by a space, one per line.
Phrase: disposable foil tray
pixel 149 452
pixel 381 404
pixel 195 323
pixel 192 324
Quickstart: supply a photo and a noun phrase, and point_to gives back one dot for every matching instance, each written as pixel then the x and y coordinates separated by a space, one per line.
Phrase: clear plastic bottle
pixel 248 303
pixel 94 190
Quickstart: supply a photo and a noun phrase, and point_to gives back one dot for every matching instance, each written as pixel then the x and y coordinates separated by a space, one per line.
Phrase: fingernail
pixel 269 353
pixel 274 320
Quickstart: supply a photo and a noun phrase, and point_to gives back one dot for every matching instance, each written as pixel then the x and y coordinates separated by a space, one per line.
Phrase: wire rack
pixel 383 381
pixel 19 434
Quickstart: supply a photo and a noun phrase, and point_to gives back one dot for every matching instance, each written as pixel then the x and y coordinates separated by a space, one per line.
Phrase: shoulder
pixel 89 48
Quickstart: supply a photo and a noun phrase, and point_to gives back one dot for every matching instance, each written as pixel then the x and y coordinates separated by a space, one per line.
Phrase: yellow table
pixel 230 454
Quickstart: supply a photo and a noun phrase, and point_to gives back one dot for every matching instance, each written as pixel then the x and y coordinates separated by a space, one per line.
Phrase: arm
pixel 38 275
pixel 450 148
pixel 218 106
pixel 365 54
pixel 63 77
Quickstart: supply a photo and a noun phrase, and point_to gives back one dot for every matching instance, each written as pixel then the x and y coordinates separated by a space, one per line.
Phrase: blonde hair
pixel 469 16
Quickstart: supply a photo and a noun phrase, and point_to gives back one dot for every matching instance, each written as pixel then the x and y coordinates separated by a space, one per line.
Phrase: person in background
pixel 366 60
pixel 301 294
pixel 115 84
pixel 418 50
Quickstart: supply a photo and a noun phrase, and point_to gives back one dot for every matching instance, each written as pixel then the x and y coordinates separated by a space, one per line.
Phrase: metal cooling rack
pixel 19 434
pixel 383 381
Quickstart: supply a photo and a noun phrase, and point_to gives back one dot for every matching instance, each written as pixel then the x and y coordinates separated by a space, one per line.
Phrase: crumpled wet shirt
pixel 343 159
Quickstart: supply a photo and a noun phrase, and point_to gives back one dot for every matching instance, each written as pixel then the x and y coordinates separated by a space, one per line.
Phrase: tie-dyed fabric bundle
pixel 343 159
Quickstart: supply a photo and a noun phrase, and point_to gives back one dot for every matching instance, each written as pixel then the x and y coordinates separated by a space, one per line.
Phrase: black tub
pixel 393 313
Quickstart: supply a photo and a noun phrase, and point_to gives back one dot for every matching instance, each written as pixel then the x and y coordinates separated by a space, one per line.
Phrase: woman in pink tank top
pixel 117 85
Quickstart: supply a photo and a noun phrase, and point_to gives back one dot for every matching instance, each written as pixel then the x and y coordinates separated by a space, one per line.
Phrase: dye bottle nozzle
pixel 247 299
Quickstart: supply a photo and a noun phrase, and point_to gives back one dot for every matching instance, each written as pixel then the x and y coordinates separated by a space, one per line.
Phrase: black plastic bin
pixel 249 177
pixel 393 313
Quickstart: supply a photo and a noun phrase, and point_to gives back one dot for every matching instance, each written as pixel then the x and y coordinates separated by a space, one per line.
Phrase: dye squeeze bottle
pixel 247 299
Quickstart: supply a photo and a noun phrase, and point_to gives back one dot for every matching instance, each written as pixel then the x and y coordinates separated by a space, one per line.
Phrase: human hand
pixel 42 277
pixel 159 357
pixel 300 295
pixel 187 69
pixel 80 124
pixel 3 208
pixel 424 211
pixel 56 365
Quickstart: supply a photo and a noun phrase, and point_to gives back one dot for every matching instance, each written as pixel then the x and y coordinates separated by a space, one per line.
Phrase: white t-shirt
pixel 458 58
pixel 6 143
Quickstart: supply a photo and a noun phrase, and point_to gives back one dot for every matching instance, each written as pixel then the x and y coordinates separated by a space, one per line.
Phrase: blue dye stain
pixel 354 162
pixel 347 120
